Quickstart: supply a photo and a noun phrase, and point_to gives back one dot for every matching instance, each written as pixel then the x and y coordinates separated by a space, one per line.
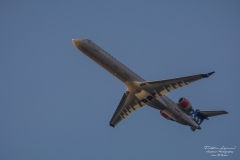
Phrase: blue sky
pixel 56 103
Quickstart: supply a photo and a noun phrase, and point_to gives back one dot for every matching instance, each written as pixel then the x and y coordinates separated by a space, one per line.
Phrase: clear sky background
pixel 56 103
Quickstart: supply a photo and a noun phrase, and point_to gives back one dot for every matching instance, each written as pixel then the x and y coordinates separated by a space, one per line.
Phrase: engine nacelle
pixel 165 115
pixel 185 104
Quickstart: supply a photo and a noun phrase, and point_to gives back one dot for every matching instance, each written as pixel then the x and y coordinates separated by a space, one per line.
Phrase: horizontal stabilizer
pixel 213 113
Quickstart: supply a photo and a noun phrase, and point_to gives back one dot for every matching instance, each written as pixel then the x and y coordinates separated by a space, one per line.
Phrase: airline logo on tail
pixel 197 117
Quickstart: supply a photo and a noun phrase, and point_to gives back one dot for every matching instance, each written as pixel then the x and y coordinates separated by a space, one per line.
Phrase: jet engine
pixel 185 104
pixel 165 115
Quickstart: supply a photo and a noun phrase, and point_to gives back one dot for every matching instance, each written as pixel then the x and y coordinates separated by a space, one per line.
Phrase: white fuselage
pixel 130 79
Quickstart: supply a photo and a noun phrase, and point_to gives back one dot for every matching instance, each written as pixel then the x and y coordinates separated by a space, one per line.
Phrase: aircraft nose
pixel 77 42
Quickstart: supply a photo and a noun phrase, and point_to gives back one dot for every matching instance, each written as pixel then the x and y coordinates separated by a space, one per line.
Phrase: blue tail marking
pixel 197 117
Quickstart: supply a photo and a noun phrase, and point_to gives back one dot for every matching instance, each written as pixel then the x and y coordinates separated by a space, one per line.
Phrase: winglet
pixel 207 75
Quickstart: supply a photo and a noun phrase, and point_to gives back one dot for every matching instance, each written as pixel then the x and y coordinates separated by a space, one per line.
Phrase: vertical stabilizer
pixel 197 117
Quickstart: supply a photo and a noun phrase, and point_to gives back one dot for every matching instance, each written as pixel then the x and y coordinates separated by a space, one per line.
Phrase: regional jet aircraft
pixel 152 93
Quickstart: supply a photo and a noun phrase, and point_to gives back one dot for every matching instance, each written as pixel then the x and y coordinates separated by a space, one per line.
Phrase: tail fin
pixel 197 116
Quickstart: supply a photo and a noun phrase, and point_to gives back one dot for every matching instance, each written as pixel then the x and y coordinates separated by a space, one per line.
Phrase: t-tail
pixel 199 116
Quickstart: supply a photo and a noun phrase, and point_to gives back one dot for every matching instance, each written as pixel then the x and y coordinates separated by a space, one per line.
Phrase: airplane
pixel 152 93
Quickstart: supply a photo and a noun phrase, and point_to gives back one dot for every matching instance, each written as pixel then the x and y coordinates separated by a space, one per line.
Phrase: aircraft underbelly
pixel 109 63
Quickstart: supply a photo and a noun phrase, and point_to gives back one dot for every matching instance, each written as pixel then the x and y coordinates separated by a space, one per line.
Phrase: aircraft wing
pixel 213 113
pixel 127 105
pixel 162 87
